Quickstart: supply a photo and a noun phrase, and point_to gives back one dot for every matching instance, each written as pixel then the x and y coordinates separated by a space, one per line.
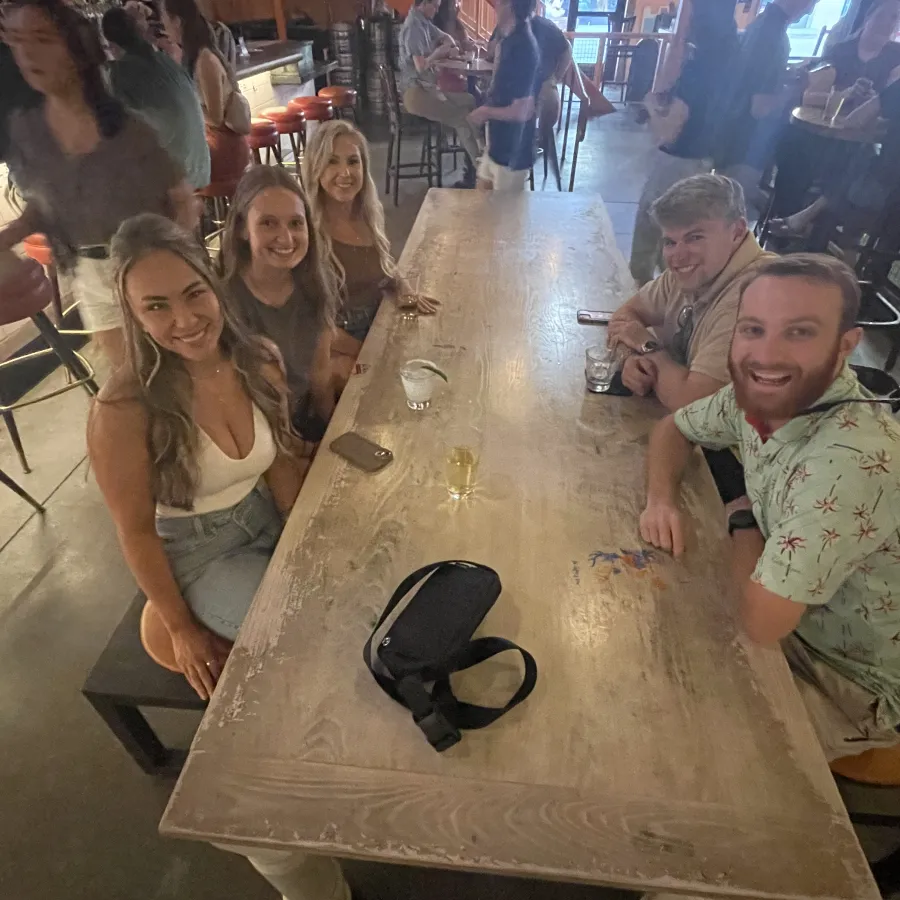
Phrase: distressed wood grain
pixel 659 750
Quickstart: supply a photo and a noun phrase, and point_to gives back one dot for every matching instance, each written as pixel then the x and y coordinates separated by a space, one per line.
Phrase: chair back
pixel 389 83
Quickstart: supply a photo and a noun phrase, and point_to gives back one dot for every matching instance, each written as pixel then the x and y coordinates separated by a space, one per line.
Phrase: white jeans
pixel 296 875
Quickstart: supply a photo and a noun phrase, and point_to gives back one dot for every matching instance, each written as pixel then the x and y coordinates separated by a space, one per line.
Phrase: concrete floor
pixel 78 818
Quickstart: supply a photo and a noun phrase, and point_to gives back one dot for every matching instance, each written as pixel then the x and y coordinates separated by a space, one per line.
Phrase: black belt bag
pixel 425 634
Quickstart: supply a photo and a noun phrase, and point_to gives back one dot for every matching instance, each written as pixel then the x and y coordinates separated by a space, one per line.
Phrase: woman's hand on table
pixel 427 306
pixel 200 655
pixel 662 526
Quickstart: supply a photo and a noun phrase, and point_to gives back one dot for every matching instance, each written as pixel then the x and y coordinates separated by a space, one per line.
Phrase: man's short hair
pixel 699 197
pixel 818 268
pixel 522 9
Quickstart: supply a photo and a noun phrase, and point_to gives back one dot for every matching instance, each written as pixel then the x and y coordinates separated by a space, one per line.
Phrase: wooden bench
pixel 125 679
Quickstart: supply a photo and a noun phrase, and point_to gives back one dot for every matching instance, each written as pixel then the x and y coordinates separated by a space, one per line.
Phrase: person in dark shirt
pixel 14 94
pixel 711 45
pixel 858 68
pixel 758 94
pixel 873 182
pixel 510 109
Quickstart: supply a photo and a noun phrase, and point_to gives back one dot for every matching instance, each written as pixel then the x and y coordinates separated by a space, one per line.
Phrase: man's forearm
pixel 747 545
pixel 671 381
pixel 667 457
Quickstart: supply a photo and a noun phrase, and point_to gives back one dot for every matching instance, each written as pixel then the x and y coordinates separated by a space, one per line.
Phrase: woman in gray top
pixel 82 163
pixel 281 286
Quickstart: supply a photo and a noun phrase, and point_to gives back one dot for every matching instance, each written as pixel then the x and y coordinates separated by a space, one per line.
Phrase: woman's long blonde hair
pixel 313 275
pixel 161 381
pixel 367 205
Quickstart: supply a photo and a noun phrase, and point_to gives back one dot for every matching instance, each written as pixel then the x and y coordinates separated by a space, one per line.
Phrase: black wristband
pixel 741 519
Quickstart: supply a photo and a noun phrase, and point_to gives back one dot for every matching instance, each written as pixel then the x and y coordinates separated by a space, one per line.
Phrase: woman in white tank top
pixel 191 445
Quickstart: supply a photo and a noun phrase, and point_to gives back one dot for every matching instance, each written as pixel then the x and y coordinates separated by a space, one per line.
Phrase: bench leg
pixel 128 724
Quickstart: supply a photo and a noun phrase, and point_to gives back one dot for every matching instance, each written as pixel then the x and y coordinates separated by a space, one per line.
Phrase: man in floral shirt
pixel 816 541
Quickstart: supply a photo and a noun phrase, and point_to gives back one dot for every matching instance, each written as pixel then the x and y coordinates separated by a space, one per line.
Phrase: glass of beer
pixel 462 451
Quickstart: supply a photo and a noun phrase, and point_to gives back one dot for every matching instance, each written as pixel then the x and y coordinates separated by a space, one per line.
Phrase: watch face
pixel 650 347
pixel 741 518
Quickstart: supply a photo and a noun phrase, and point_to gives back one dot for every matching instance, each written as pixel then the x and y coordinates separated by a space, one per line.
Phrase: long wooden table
pixel 658 751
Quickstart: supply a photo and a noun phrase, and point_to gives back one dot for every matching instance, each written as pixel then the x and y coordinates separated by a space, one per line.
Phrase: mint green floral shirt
pixel 825 490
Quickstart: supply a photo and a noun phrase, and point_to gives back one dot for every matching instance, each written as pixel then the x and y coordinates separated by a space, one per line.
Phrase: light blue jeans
pixel 219 558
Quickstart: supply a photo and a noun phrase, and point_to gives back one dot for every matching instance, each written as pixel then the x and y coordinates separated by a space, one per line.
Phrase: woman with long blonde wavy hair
pixel 191 445
pixel 349 218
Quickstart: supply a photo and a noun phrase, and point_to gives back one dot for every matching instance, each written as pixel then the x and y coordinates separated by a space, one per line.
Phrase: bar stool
pixel 342 98
pixel 315 109
pixel 31 306
pixel 264 136
pixel 216 197
pixel 293 124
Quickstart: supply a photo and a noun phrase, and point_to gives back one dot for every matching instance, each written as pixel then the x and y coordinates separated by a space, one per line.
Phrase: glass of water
pixel 600 365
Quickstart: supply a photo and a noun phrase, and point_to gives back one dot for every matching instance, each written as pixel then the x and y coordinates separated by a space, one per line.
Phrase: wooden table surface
pixel 658 751
pixel 812 118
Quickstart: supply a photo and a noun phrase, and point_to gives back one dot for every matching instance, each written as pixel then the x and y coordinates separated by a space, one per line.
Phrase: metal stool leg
pixel 397 168
pixel 18 489
pixel 66 354
pixel 16 439
pixel 566 132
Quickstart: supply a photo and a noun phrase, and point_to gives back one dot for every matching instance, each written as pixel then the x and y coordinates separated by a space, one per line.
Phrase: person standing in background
pixel 156 88
pixel 510 110
pixel 759 93
pixel 422 44
pixel 225 110
pixel 710 47
pixel 82 163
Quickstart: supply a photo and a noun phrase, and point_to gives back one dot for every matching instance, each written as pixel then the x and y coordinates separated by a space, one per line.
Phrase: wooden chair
pixel 879 772
pixel 395 170
pixel 601 107
pixel 32 306
pixel 619 51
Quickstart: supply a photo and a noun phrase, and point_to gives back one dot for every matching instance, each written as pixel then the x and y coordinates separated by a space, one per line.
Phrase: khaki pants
pixel 665 170
pixel 842 712
pixel 295 875
pixel 450 109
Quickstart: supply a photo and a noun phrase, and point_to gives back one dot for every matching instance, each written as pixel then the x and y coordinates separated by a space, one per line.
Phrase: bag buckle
pixel 440 733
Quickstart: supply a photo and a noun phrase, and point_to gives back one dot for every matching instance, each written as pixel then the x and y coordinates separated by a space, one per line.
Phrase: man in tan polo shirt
pixel 692 306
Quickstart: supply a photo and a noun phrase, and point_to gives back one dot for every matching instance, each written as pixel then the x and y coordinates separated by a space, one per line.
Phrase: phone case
pixel 593 317
pixel 362 453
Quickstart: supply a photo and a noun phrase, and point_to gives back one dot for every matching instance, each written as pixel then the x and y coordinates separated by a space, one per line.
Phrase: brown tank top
pixel 362 270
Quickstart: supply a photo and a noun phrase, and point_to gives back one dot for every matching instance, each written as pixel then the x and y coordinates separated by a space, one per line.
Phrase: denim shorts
pixel 219 558
pixel 357 322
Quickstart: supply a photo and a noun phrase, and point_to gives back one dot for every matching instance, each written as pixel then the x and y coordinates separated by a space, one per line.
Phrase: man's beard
pixel 801 392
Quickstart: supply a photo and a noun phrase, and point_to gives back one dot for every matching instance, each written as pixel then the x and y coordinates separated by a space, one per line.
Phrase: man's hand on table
pixel 630 332
pixel 639 375
pixel 662 526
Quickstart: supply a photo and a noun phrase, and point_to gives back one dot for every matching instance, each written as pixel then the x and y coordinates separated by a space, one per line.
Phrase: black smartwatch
pixel 650 346
pixel 741 519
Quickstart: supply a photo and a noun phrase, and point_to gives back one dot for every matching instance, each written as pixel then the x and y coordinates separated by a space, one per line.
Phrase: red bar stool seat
pixel 291 122
pixel 342 98
pixel 264 136
pixel 216 196
pixel 315 109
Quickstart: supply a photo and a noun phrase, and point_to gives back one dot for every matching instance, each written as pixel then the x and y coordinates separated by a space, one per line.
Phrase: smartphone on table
pixel 361 452
pixel 594 317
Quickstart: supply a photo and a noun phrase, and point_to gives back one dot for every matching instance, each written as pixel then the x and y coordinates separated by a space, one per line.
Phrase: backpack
pixel 425 634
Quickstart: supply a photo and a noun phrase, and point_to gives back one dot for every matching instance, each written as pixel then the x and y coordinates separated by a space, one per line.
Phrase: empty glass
pixel 599 367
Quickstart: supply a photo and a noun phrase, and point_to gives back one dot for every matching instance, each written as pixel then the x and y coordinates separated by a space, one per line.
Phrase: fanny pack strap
pixel 826 407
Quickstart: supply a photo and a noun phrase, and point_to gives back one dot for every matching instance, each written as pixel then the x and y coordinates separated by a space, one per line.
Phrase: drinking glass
pixel 462 452
pixel 420 377
pixel 599 367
